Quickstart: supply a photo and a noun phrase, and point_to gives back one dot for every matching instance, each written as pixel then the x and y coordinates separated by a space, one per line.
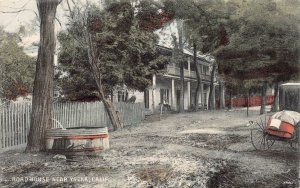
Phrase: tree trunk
pixel 198 75
pixel 112 95
pixel 275 106
pixel 180 45
pixel 263 98
pixel 181 103
pixel 211 105
pixel 41 116
pixel 222 96
pixel 109 107
pixel 230 100
pixel 112 113
pixel 248 102
pixel 94 62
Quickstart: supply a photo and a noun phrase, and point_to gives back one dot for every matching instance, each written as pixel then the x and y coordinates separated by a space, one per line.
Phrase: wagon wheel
pixel 294 144
pixel 259 137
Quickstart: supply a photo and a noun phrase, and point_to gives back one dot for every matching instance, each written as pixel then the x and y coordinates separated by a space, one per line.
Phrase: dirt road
pixel 203 149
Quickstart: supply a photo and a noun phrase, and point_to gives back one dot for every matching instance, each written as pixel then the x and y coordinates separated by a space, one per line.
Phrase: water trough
pixel 77 140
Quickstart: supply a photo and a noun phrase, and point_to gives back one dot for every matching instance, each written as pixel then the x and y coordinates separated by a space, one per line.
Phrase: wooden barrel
pixel 77 140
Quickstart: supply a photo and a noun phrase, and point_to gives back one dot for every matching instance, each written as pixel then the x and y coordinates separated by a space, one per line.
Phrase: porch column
pixel 222 95
pixel 207 96
pixel 189 94
pixel 201 95
pixel 173 99
pixel 214 98
pixel 153 91
pixel 189 84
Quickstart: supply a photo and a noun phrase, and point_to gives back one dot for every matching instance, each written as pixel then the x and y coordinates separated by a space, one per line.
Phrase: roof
pixel 167 41
pixel 168 51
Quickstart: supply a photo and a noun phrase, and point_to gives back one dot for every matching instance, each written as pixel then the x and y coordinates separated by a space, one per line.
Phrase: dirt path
pixel 203 149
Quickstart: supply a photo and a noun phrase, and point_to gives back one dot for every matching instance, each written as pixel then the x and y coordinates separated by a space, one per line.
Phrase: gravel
pixel 201 149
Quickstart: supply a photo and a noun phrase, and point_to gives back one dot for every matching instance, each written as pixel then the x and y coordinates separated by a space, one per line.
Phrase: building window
pixel 122 96
pixel 164 96
pixel 205 70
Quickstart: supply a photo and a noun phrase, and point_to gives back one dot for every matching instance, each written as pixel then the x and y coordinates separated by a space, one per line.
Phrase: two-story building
pixel 166 88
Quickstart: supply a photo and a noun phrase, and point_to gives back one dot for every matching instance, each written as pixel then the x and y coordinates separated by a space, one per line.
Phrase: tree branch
pixel 18 11
pixel 59 22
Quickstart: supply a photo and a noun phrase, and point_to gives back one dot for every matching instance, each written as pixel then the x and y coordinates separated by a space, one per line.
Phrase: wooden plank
pixel 9 135
pixel 95 114
pixel 13 114
pixel 10 125
pixel 15 118
pixel 6 127
pixel 64 116
pixel 75 115
pixel 61 114
pixel 72 115
pixel 83 116
pixel 15 122
pixel 23 124
pixel 19 126
pixel 1 126
pixel 101 112
pixel 80 114
pixel 54 114
pixel 26 113
pixel 90 114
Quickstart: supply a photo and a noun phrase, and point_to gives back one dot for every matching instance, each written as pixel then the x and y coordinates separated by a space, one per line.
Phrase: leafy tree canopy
pixel 265 44
pixel 124 44
pixel 16 68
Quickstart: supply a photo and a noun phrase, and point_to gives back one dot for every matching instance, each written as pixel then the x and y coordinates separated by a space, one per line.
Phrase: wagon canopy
pixel 289 96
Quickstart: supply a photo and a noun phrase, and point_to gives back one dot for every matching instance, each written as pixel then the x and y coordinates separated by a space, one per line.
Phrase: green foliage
pixel 126 51
pixel 204 21
pixel 16 68
pixel 264 44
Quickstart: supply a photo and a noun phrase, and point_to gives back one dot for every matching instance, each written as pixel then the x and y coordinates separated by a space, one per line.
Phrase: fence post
pixel 1 125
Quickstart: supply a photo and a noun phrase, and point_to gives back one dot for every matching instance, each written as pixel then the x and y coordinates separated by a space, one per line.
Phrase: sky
pixel 11 22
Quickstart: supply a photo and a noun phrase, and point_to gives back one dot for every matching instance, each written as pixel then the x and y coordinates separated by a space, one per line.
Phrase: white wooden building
pixel 165 88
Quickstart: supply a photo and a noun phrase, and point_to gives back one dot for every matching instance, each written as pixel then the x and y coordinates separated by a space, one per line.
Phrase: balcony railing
pixel 175 71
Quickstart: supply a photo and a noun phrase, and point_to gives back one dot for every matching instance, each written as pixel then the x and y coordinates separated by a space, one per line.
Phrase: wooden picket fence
pixel 15 118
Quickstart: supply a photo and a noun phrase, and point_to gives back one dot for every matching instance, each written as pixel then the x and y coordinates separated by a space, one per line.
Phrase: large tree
pixel 264 46
pixel 118 45
pixel 204 32
pixel 16 68
pixel 43 83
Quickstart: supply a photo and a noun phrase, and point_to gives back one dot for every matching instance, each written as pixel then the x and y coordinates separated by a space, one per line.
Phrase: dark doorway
pixel 146 98
pixel 178 99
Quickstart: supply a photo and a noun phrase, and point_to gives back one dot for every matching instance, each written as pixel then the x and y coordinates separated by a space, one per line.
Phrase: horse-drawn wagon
pixel 281 126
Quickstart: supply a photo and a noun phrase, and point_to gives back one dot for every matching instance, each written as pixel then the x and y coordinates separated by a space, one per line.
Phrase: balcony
pixel 175 71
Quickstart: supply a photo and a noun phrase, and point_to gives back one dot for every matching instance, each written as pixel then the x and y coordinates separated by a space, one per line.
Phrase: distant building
pixel 165 88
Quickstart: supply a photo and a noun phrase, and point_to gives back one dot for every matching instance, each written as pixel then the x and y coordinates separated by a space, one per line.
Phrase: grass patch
pixel 155 176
